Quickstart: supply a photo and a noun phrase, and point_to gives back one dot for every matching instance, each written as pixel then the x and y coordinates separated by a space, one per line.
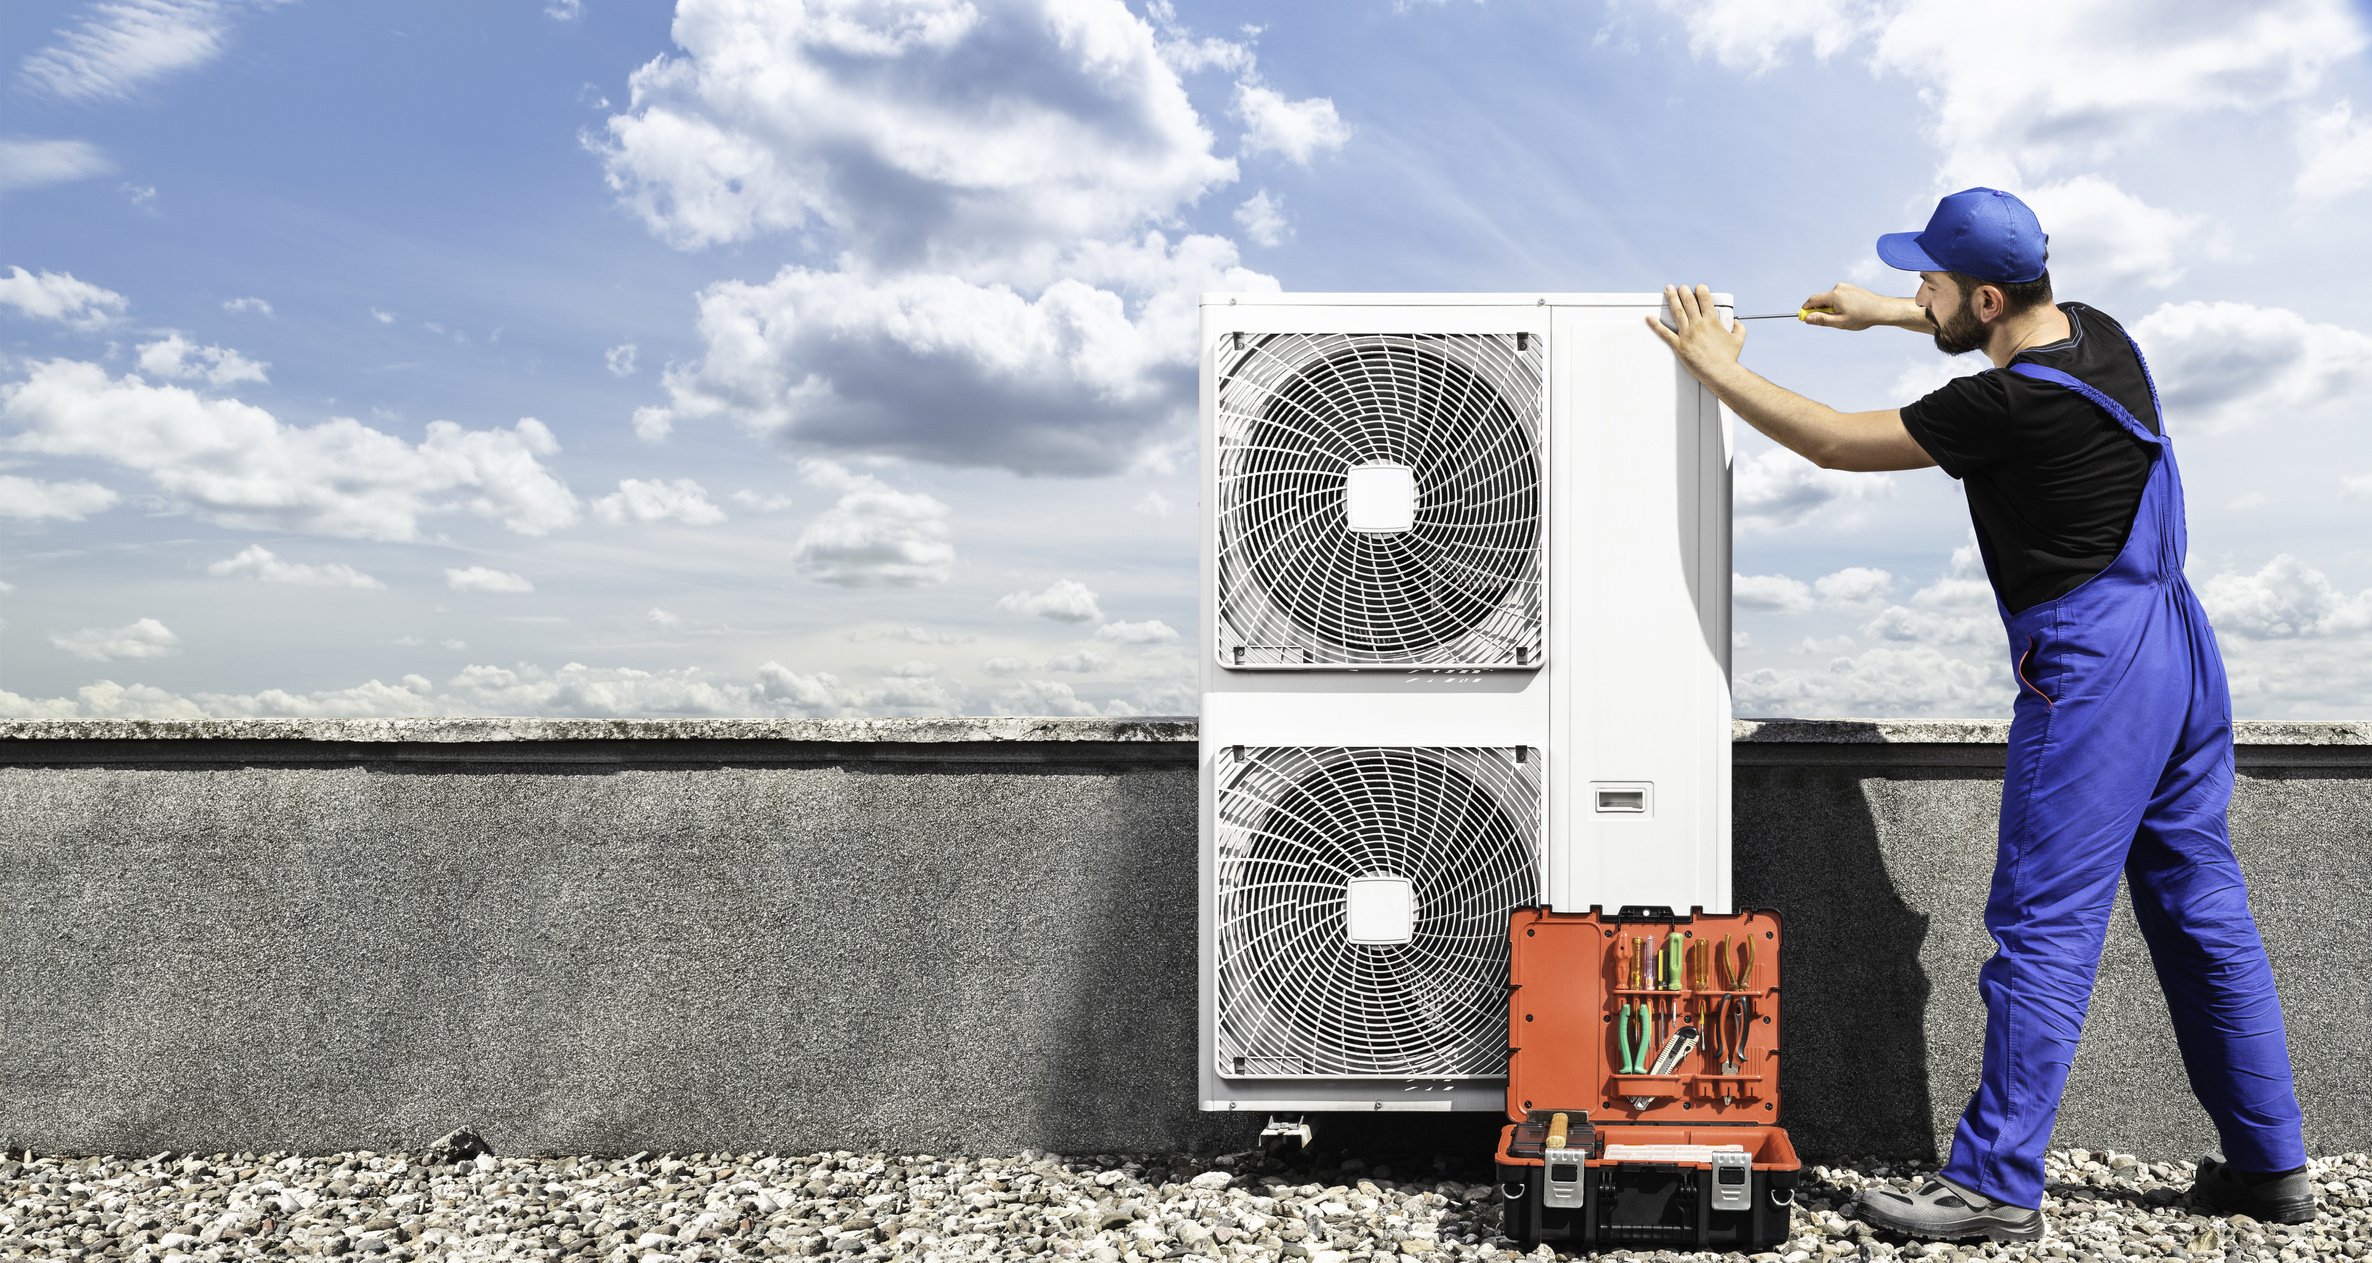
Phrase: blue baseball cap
pixel 1980 232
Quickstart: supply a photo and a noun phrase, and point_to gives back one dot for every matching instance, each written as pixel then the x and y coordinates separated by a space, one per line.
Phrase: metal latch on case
pixel 1733 1181
pixel 1561 1183
pixel 1563 1167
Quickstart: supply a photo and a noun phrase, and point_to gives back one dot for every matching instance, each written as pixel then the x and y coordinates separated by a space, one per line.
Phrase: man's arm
pixel 1860 441
pixel 1852 307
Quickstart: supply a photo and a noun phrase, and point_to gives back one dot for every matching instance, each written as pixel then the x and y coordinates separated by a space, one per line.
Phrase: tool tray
pixel 1569 982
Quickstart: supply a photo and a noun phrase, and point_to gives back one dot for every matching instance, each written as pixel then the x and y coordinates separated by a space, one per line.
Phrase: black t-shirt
pixel 2052 480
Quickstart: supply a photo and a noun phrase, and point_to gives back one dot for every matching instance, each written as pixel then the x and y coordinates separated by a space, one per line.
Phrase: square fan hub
pixel 1380 499
pixel 1379 911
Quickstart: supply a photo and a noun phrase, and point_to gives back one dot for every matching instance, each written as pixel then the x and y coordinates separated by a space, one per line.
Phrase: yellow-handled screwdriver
pixel 1797 314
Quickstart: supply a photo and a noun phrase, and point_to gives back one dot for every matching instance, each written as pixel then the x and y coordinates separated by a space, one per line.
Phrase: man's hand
pixel 1852 307
pixel 1703 346
pixel 1815 431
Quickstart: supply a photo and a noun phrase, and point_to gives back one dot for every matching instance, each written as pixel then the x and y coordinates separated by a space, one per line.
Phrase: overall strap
pixel 2100 398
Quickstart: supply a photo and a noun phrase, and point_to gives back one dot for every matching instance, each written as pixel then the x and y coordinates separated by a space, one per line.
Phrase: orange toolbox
pixel 1643 1082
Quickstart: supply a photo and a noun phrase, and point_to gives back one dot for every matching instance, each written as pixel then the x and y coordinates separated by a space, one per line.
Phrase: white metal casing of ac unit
pixel 1616 728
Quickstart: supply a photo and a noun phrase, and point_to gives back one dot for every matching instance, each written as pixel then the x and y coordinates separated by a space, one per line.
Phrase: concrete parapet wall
pixel 596 935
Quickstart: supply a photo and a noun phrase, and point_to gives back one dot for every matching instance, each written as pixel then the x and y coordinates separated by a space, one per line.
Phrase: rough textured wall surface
pixel 945 935
pixel 605 949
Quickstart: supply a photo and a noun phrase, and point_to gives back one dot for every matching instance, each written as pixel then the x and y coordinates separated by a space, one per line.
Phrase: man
pixel 2120 752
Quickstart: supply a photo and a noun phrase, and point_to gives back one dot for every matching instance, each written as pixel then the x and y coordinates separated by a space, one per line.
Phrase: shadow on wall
pixel 1125 1043
pixel 1855 1075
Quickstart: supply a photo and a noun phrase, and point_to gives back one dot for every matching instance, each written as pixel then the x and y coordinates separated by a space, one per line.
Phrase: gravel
pixel 847 1207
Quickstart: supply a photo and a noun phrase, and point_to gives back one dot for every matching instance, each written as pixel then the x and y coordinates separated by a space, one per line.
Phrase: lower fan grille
pixel 1453 834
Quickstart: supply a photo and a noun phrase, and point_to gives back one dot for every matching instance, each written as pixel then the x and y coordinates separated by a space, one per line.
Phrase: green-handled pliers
pixel 1630 1037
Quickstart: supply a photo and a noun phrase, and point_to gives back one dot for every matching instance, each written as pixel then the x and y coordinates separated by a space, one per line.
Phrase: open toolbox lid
pixel 1571 981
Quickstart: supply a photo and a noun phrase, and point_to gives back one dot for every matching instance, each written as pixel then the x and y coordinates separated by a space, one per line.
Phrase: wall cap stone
pixel 470 730
pixel 2246 732
pixel 2250 732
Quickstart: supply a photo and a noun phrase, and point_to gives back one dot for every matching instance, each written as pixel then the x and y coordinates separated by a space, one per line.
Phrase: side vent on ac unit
pixel 1379 501
pixel 1363 896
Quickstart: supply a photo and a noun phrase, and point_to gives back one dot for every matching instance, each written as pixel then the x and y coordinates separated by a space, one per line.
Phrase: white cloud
pixel 1078 662
pixel 2285 599
pixel 58 296
pixel 103 700
pixel 1853 587
pixel 1001 294
pixel 383 317
pixel 1150 632
pixel 2044 86
pixel 917 635
pixel 1011 127
pixel 1067 601
pixel 526 689
pixel 2102 234
pixel 1754 36
pixel 1779 489
pixel 1262 218
pixel 912 669
pixel 30 164
pixel 1957 609
pixel 662 619
pixel 1930 627
pixel 2334 153
pixel 934 367
pixel 620 360
pixel 564 10
pixel 1189 55
pixel 577 689
pixel 33 500
pixel 486 579
pixel 638 500
pixel 146 638
pixel 2357 487
pixel 1297 130
pixel 177 356
pixel 762 503
pixel 1004 666
pixel 2223 366
pixel 1042 697
pixel 141 196
pixel 244 468
pixel 2041 90
pixel 121 45
pixel 257 562
pixel 1883 681
pixel 874 535
pixel 2296 645
pixel 1964 586
pixel 242 305
pixel 1153 505
pixel 1770 593
pixel 653 424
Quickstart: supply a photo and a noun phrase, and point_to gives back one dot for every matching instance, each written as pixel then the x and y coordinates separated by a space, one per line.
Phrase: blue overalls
pixel 2120 759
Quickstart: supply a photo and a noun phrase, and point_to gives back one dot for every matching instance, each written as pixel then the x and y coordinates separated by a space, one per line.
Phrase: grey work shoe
pixel 1944 1211
pixel 2285 1197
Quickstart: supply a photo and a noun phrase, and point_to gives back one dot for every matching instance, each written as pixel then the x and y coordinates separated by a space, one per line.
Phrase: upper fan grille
pixel 1460 586
pixel 1295 998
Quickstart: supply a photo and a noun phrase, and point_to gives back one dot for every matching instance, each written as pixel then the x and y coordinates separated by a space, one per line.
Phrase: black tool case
pixel 1569 986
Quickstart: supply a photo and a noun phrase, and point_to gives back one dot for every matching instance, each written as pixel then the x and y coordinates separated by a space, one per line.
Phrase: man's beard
pixel 1961 333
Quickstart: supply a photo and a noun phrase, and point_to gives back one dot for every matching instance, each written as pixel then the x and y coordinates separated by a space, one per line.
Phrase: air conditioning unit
pixel 1465 648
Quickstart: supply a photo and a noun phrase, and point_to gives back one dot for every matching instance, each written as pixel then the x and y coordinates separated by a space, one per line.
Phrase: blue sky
pixel 589 358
